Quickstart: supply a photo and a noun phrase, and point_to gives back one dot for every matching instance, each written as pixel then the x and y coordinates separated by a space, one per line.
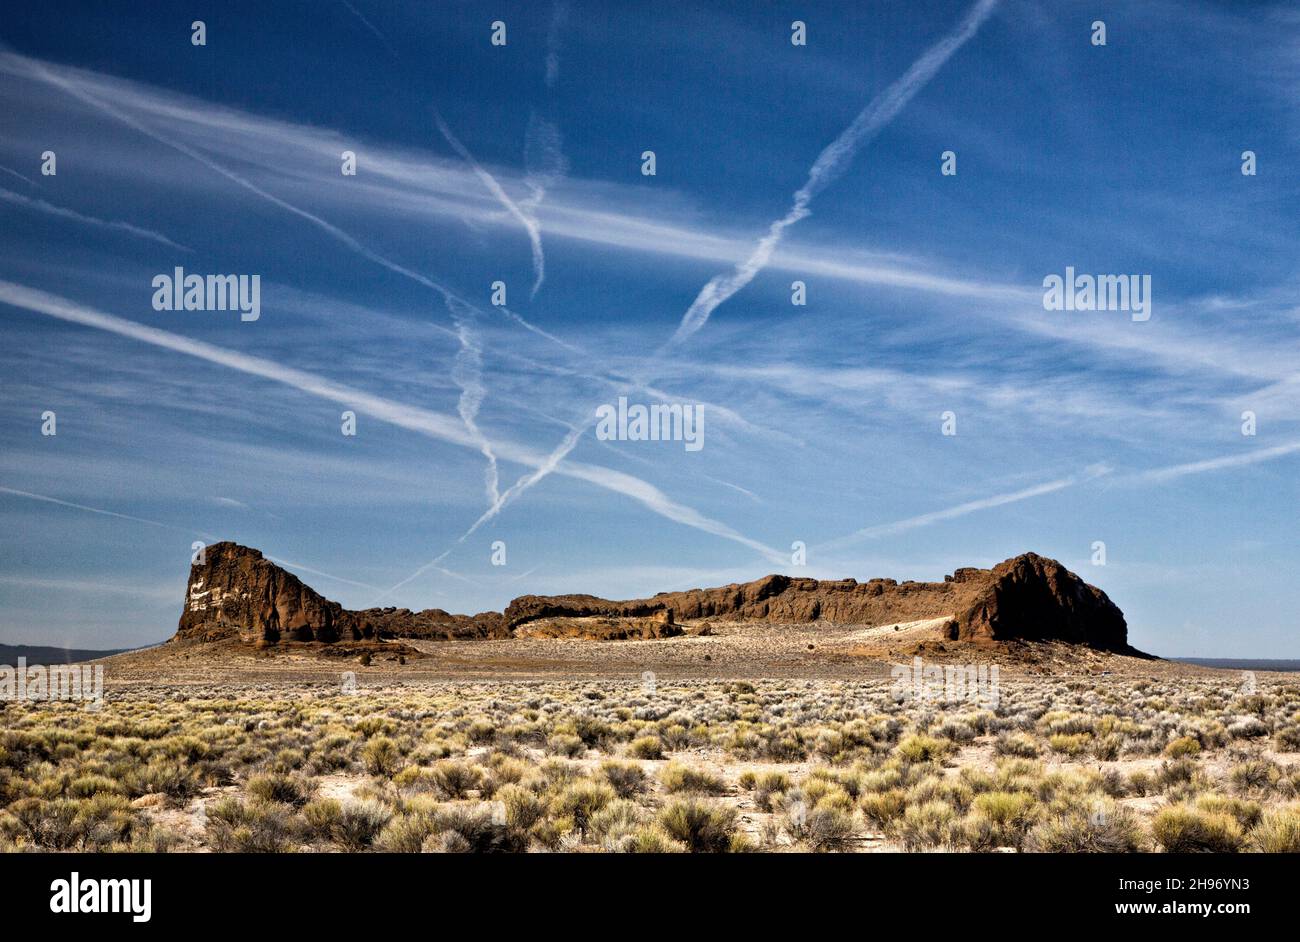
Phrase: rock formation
pixel 237 593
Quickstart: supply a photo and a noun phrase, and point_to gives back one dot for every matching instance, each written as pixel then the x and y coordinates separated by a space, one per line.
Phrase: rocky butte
pixel 235 593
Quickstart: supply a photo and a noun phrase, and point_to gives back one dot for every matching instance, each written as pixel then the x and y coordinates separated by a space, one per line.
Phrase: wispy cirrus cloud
pixel 969 507
pixel 414 418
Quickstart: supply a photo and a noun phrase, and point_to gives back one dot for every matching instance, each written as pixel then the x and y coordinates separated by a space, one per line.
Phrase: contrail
pixel 559 13
pixel 1217 464
pixel 528 222
pixel 373 29
pixel 15 173
pixel 450 299
pixel 95 510
pixel 424 421
pixel 52 210
pixel 544 162
pixel 961 510
pixel 154 523
pixel 316 572
pixel 830 165
pixel 468 375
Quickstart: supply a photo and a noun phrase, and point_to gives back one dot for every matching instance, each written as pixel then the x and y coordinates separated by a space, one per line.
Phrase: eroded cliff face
pixel 237 593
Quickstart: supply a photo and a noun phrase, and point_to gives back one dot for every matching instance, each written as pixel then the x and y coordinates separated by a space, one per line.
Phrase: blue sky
pixel 481 163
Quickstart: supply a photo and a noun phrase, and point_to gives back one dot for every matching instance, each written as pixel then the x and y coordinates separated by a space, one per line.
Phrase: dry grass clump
pixel 701 826
pixel 1182 828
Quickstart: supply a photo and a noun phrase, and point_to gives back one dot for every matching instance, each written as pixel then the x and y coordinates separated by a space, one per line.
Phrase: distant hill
pixel 39 654
pixel 1243 663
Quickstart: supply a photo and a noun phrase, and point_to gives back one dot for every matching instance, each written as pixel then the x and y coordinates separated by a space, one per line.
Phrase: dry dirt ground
pixel 762 737
pixel 729 651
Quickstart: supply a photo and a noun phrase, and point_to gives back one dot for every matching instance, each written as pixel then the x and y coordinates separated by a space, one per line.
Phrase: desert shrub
pixel 702 826
pixel 1254 775
pixel 1106 829
pixel 255 827
pixel 1183 829
pixel 1248 727
pixel 405 834
pixel 768 785
pixel 953 792
pixel 581 800
pixel 626 778
pixel 1070 744
pixel 84 786
pixel 1141 783
pixel 1278 832
pixel 359 823
pixel 615 822
pixel 1247 813
pixel 646 747
pixel 1287 739
pixel 650 839
pixel 821 829
pixel 170 777
pixel 563 744
pixel 1107 748
pixel 1183 746
pixel 925 826
pixel 921 748
pixel 523 808
pixel 1002 818
pixel 380 756
pixel 676 777
pixel 320 818
pixel 288 760
pixel 94 823
pixel 1178 772
pixel 882 808
pixel 452 779
pixel 276 786
pixel 472 830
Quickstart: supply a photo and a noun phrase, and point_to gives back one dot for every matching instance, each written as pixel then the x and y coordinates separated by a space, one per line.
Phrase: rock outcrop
pixel 1031 598
pixel 238 593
